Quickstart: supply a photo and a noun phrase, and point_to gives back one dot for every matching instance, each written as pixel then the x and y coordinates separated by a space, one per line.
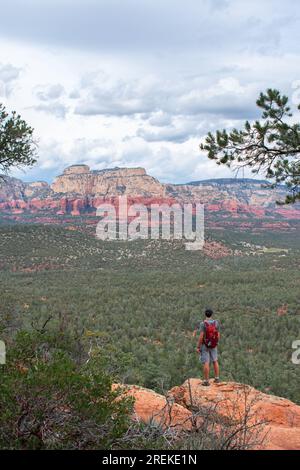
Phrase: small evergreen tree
pixel 17 147
pixel 50 401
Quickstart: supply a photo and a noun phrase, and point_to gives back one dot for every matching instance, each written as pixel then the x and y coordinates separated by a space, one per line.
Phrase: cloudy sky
pixel 140 82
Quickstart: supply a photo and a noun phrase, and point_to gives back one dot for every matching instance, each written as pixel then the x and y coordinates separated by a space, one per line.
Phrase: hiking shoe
pixel 205 383
pixel 217 380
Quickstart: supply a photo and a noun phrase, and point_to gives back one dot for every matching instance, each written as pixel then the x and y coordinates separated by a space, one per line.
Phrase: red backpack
pixel 211 336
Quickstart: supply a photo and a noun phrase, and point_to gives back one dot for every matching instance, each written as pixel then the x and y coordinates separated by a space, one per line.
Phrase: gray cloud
pixel 159 101
pixel 160 119
pixel 8 76
pixel 207 25
pixel 171 133
pixel 113 24
pixel 172 71
pixel 51 100
pixel 100 95
pixel 55 108
pixel 49 92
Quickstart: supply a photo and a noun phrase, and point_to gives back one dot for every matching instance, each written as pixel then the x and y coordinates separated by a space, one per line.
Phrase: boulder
pixel 280 416
pixel 277 419
pixel 150 406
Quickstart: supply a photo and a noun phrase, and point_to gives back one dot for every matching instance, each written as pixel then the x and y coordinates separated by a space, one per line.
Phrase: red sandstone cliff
pixel 79 190
pixel 279 418
pixel 134 182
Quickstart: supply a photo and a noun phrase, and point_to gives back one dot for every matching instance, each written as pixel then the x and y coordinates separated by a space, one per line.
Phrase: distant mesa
pixel 80 189
pixel 230 181
pixel 80 180
pixel 76 170
pixel 117 171
pixel 38 184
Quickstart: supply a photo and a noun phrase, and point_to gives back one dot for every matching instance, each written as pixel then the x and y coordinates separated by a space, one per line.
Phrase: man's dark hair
pixel 209 313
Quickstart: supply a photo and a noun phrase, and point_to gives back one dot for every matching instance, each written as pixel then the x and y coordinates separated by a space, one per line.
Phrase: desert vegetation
pixel 142 300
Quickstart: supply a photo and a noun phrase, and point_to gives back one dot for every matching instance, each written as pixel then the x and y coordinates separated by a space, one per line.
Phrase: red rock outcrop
pixel 282 417
pixel 279 417
pixel 216 250
pixel 150 406
pixel 111 182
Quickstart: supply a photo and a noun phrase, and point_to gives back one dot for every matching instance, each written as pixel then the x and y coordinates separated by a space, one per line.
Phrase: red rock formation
pixel 282 311
pixel 289 213
pixel 230 206
pixel 280 418
pixel 216 250
pixel 78 206
pixel 79 190
pixel 112 182
pixel 282 428
pixel 150 406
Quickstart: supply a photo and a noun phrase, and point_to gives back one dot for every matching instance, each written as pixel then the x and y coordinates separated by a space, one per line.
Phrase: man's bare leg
pixel 206 371
pixel 216 370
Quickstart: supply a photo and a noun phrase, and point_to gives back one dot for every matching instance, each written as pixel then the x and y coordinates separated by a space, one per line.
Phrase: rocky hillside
pixel 238 197
pixel 243 191
pixel 273 423
pixel 80 189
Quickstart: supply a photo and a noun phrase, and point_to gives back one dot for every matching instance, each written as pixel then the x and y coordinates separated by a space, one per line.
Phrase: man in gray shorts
pixel 208 346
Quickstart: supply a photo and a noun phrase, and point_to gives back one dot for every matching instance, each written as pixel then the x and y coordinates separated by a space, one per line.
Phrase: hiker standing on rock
pixel 208 346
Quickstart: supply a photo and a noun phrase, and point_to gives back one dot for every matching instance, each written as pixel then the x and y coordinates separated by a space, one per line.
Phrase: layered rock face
pixel 281 430
pixel 151 406
pixel 235 196
pixel 11 189
pixel 277 419
pixel 133 182
pixel 79 190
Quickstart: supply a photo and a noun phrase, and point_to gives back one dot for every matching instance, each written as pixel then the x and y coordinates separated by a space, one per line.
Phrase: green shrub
pixel 50 401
